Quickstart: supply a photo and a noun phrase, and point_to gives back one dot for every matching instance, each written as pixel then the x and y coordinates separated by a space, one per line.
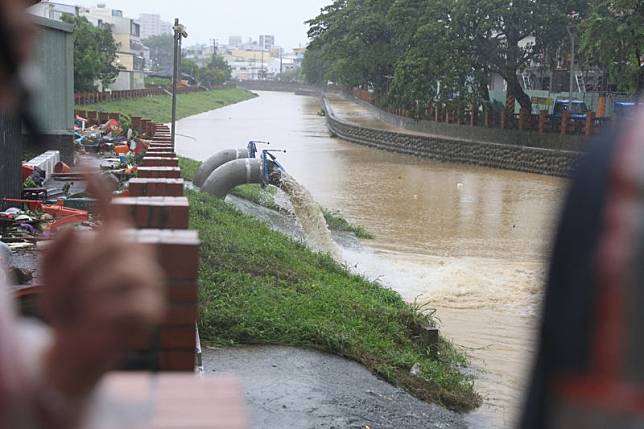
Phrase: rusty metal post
pixel 565 123
pixel 543 118
pixel 523 119
pixel 590 122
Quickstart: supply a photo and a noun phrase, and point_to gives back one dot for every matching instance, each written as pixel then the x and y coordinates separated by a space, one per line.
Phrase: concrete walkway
pixel 349 110
pixel 300 389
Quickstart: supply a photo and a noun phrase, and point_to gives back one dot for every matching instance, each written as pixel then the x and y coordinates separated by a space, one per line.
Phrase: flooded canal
pixel 468 241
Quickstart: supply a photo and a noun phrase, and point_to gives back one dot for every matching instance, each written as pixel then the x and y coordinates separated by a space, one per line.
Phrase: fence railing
pixel 81 98
pixel 543 122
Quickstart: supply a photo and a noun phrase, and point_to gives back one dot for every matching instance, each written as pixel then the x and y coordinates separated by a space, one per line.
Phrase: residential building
pixel 52 10
pixel 266 42
pixel 200 54
pixel 235 41
pixel 153 25
pixel 247 69
pixel 127 34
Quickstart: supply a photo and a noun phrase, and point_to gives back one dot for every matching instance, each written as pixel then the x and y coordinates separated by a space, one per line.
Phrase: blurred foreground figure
pixel 590 364
pixel 100 293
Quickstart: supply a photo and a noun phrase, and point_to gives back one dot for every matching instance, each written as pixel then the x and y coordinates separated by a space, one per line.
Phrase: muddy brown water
pixel 468 241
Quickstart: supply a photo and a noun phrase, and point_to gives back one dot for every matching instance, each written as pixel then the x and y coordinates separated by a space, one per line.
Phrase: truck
pixel 578 109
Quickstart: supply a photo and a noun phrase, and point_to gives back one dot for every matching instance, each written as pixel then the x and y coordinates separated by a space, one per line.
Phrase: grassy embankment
pixel 260 287
pixel 158 108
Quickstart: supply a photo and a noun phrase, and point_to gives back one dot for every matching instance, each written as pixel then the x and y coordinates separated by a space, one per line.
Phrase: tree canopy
pixel 161 52
pixel 408 51
pixel 613 35
pixel 94 54
pixel 216 72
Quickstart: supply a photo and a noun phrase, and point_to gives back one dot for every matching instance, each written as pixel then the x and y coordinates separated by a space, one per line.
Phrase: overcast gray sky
pixel 208 19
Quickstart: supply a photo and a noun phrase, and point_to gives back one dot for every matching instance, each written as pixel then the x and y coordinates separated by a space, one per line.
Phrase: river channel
pixel 470 242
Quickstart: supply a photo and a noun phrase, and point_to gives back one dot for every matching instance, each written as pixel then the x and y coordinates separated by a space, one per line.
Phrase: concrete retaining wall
pixel 279 86
pixel 515 156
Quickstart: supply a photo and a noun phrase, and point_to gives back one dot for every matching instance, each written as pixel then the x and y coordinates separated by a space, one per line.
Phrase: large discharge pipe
pixel 216 161
pixel 232 174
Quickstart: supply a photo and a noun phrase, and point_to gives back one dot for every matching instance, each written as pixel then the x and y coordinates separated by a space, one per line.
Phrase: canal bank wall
pixel 512 153
pixel 279 86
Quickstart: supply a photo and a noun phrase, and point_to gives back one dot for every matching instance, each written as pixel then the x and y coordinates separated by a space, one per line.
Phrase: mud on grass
pixel 260 287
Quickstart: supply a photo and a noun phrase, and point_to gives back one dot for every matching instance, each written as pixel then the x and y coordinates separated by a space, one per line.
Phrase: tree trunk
pixel 639 91
pixel 515 89
pixel 484 92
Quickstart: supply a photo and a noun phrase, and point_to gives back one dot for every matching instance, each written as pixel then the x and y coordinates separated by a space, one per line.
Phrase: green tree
pixel 161 52
pixel 355 38
pixel 504 36
pixel 436 64
pixel 217 72
pixel 190 67
pixel 613 37
pixel 94 54
pixel 314 67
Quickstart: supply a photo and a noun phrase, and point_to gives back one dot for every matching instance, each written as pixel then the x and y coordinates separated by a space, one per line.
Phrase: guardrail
pixel 542 123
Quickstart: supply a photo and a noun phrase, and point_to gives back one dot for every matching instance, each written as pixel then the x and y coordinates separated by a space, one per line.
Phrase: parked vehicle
pixel 578 109
pixel 626 109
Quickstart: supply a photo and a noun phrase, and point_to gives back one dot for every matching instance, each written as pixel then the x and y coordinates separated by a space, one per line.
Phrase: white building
pixel 200 54
pixel 53 10
pixel 127 34
pixel 153 25
pixel 266 42
pixel 235 41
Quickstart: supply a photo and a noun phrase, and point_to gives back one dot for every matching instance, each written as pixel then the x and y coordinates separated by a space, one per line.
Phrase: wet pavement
pixel 292 388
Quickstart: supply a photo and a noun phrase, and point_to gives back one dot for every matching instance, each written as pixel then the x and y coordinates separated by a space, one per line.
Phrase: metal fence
pixel 82 98
pixel 10 157
pixel 543 122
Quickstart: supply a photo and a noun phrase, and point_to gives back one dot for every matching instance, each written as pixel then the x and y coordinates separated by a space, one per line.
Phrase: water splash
pixel 310 216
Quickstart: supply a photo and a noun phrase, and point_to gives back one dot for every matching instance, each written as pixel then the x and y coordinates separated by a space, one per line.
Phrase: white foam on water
pixel 309 214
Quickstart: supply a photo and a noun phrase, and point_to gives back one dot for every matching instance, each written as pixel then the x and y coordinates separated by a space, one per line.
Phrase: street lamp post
pixel 179 34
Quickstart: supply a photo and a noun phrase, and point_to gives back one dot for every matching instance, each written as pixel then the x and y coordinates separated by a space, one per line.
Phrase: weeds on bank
pixel 158 108
pixel 260 287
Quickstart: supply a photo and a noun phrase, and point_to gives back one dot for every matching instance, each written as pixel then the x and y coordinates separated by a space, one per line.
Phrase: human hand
pixel 102 294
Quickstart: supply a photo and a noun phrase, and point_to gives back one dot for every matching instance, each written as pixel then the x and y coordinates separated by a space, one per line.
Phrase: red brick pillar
pixel 565 123
pixel 173 349
pixel 543 121
pixel 590 123
pixel 156 187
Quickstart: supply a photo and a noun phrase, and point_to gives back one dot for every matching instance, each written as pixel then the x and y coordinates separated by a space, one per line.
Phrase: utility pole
pixel 214 47
pixel 572 34
pixel 179 33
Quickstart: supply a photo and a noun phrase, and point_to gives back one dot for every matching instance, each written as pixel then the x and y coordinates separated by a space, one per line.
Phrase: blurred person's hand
pixel 102 294
pixel 19 27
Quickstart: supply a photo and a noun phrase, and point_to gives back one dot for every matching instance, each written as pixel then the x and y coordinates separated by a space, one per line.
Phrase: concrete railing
pixel 520 157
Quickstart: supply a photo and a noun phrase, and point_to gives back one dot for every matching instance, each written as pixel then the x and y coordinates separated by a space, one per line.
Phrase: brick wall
pixel 159 210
